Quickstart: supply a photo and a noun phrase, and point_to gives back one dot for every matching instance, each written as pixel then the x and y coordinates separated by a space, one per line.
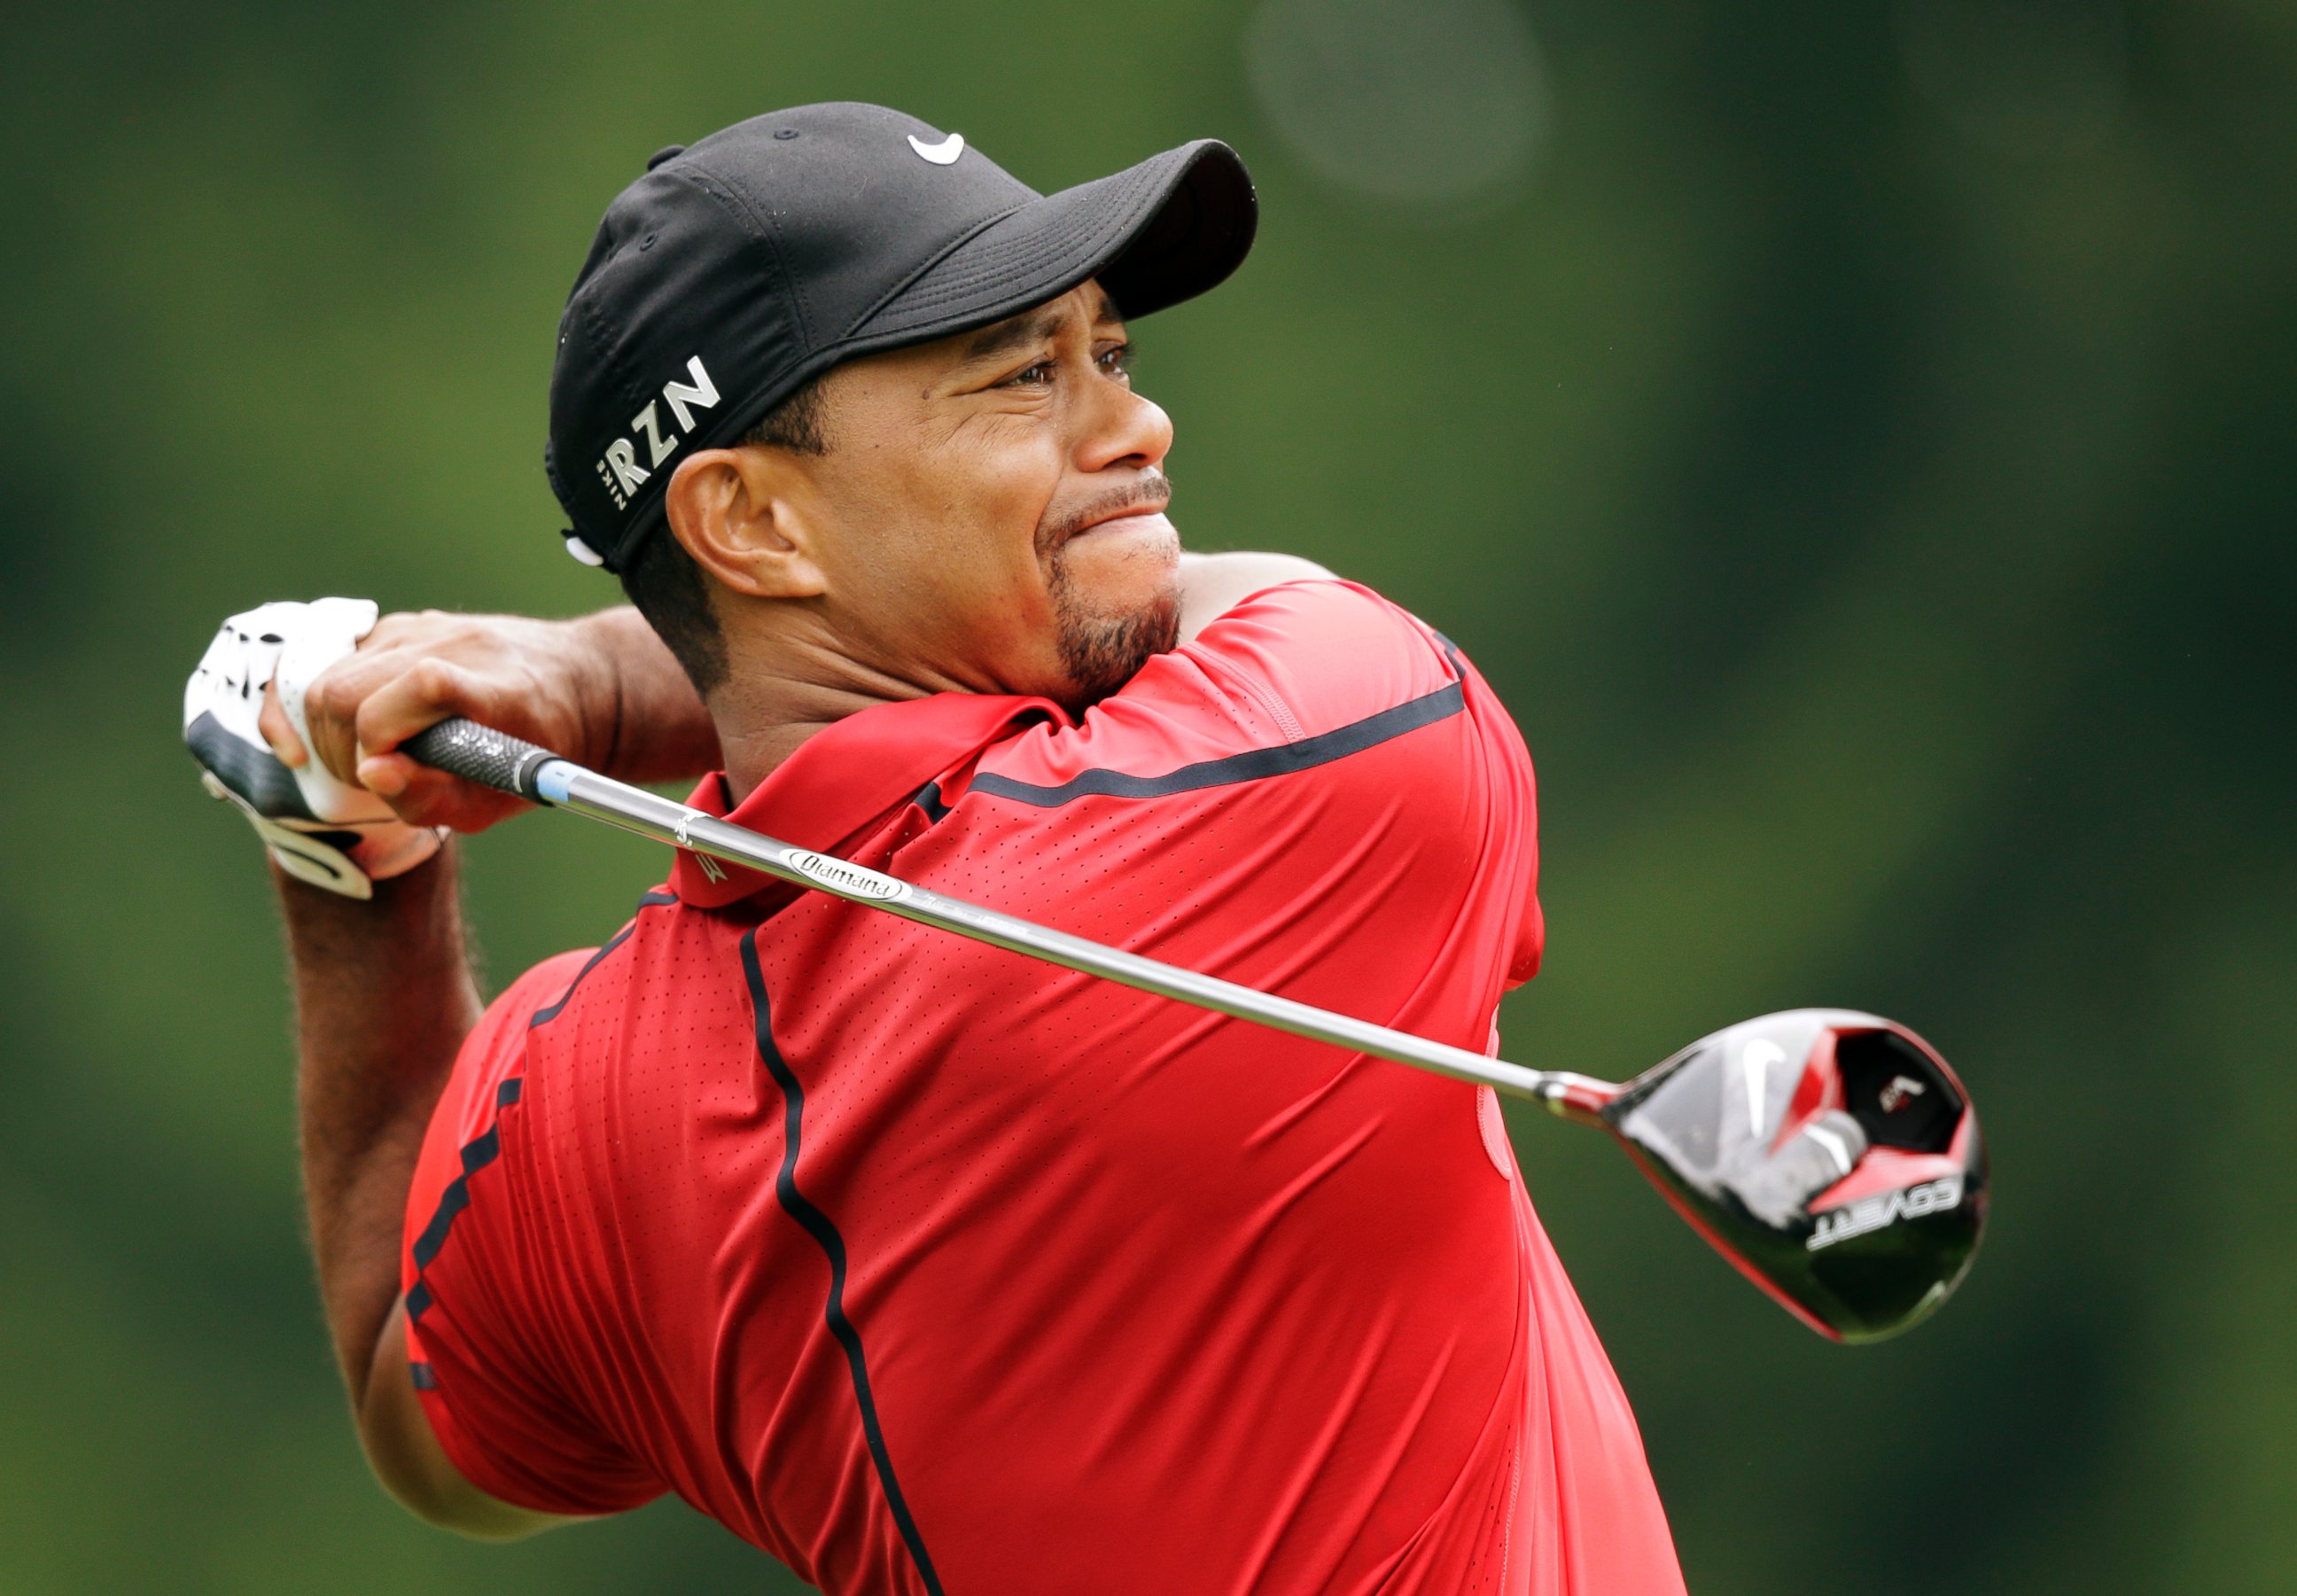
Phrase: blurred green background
pixel 1845 432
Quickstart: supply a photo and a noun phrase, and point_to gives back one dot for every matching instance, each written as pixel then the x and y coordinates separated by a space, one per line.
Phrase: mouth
pixel 1121 521
pixel 1137 507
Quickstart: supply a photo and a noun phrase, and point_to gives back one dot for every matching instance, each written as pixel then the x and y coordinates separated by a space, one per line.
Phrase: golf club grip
pixel 481 753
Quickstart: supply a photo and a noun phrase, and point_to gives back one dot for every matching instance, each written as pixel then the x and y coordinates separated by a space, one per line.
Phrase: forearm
pixel 661 731
pixel 383 998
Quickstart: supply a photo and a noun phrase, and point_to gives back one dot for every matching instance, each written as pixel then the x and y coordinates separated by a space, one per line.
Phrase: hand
pixel 528 678
pixel 601 690
pixel 320 830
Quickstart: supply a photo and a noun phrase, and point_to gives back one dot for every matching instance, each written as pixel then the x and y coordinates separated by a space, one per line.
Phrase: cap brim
pixel 1154 235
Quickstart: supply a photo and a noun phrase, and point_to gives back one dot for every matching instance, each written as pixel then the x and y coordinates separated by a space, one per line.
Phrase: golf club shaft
pixel 494 758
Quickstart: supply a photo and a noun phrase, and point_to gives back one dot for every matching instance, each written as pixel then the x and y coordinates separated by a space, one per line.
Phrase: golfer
pixel 922 1266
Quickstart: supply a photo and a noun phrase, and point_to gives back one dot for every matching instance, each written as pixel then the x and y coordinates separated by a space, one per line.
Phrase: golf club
pixel 1830 1155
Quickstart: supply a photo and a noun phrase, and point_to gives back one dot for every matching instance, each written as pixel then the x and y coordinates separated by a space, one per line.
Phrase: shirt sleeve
pixel 1334 665
pixel 1319 657
pixel 477 1279
pixel 1299 680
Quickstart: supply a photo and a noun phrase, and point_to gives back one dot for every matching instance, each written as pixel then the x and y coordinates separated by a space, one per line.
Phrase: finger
pixel 418 698
pixel 333 701
pixel 279 731
pixel 415 699
pixel 389 630
pixel 422 797
pixel 331 707
pixel 387 776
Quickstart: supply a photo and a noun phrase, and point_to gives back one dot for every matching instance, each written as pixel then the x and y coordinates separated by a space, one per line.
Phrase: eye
pixel 1033 376
pixel 1117 361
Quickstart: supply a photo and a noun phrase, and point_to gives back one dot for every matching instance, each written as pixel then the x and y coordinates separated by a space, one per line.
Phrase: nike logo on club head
pixel 944 153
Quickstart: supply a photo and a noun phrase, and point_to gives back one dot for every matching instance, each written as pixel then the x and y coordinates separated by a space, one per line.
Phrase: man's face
pixel 990 508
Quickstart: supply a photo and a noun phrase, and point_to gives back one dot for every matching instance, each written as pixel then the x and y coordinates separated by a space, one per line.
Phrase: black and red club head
pixel 1831 1156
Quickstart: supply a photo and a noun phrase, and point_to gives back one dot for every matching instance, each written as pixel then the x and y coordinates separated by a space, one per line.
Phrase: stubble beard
pixel 1101 652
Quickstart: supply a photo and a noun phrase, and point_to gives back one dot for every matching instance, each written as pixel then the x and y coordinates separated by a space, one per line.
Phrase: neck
pixel 783 685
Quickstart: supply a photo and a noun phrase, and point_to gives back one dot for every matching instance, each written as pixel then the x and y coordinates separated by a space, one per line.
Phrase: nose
pixel 1122 430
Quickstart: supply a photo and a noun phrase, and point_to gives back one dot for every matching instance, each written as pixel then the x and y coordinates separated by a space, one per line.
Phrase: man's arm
pixel 383 998
pixel 601 689
pixel 384 994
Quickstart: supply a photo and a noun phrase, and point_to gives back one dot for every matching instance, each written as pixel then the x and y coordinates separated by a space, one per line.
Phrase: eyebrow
pixel 1001 337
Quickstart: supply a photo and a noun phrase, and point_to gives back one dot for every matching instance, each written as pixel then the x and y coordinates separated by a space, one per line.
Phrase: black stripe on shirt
pixel 477 1153
pixel 543 1016
pixel 824 1232
pixel 483 1148
pixel 1255 764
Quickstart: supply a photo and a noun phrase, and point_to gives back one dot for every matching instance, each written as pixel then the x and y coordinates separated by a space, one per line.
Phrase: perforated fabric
pixel 925 1267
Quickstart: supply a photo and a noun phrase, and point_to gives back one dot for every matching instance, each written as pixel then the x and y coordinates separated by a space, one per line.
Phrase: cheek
pixel 994 490
pixel 933 492
pixel 955 528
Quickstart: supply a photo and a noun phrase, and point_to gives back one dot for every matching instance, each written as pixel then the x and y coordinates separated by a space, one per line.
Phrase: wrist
pixel 592 647
pixel 653 724
pixel 411 891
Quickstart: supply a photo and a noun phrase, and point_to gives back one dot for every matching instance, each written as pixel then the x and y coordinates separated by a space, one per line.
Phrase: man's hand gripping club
pixel 318 828
pixel 297 709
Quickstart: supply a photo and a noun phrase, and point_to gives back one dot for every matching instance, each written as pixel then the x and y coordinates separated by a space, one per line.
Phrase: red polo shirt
pixel 927 1267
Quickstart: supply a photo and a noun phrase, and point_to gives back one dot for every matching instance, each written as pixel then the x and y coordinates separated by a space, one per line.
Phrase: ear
pixel 743 514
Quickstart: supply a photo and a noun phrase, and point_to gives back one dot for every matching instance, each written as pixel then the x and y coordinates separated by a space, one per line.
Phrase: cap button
pixel 667 152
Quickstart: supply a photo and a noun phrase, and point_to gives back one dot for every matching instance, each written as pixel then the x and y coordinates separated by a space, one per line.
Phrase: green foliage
pixel 1849 452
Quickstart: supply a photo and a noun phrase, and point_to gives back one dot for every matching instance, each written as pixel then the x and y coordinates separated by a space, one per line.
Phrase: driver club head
pixel 1831 1156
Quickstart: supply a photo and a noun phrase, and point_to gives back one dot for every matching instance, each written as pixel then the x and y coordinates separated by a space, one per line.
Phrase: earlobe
pixel 737 512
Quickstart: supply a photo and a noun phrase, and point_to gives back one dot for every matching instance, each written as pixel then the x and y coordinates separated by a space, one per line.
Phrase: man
pixel 922 1266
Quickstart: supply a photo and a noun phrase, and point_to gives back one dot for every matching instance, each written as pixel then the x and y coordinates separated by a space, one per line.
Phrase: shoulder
pixel 1330 651
pixel 537 989
pixel 1294 677
pixel 497 1048
pixel 492 1053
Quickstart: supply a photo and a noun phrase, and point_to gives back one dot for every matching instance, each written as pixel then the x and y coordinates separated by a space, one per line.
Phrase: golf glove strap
pixel 321 830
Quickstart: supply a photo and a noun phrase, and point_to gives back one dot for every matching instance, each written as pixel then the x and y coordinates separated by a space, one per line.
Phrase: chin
pixel 1116 598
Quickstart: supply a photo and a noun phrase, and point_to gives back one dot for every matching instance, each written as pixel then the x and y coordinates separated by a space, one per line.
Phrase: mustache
pixel 1151 490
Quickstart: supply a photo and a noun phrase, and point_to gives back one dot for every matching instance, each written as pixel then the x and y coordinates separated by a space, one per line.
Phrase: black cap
pixel 739 268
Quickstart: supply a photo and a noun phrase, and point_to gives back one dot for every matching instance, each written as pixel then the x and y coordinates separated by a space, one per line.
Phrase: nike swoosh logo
pixel 944 153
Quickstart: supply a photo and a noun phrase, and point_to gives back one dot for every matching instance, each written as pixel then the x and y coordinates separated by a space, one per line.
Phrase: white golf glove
pixel 321 830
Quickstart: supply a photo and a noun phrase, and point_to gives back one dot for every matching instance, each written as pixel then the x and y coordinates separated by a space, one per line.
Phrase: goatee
pixel 1104 652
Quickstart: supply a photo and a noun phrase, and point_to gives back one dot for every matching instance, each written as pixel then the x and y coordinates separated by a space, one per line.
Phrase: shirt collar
pixel 846 776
